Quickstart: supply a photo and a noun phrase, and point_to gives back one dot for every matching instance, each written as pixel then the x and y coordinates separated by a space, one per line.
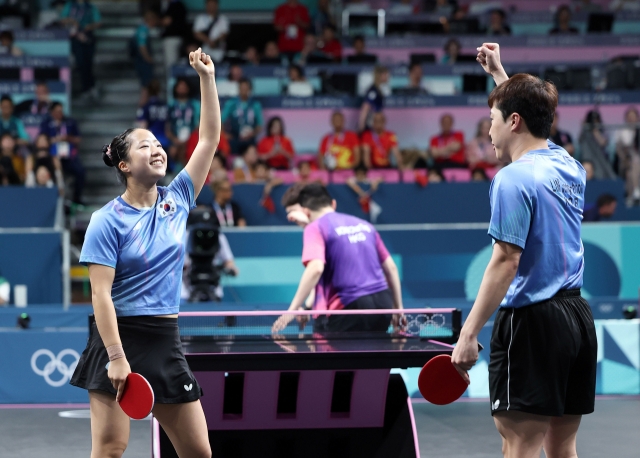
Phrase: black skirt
pixel 153 348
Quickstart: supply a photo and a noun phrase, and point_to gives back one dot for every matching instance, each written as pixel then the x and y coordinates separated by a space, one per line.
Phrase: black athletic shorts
pixel 544 357
pixel 360 323
pixel 153 348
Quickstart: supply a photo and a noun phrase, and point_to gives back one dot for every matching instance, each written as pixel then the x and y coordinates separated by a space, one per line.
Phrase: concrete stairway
pixel 115 109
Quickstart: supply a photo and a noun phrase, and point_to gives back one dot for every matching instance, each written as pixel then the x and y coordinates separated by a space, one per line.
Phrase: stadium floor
pixel 463 429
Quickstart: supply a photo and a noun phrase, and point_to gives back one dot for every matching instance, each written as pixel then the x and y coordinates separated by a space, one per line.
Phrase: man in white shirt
pixel 212 28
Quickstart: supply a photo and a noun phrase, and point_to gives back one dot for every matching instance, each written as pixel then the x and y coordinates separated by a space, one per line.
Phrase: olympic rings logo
pixel 426 323
pixel 55 364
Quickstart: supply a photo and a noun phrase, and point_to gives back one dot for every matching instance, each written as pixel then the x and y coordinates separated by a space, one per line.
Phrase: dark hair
pixel 261 163
pixel 153 88
pixel 605 199
pixel 450 41
pixel 182 80
pixel 270 125
pixel 315 197
pixel 499 12
pixel 560 9
pixel 361 168
pixel 246 80
pixel 330 27
pixel 222 159
pixel 292 195
pixel 482 172
pixel 439 173
pixel 414 65
pixel 533 99
pixel 592 117
pixel 6 97
pixel 54 105
pixel 358 38
pixel 6 34
pixel 120 146
pixel 297 68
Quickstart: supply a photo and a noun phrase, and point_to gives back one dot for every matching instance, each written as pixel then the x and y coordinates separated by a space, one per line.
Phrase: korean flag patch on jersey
pixel 167 207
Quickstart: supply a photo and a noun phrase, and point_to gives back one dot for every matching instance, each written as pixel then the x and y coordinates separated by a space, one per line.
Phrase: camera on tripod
pixel 203 244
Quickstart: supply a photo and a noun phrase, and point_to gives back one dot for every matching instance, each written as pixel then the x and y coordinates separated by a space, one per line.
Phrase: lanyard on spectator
pixel 62 130
pixel 183 116
pixel 332 141
pixel 228 221
pixel 378 142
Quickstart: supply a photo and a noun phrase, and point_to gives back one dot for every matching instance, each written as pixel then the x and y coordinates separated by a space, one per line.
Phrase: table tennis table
pixel 307 393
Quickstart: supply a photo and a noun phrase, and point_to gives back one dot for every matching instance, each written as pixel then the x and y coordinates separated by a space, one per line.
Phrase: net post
pixel 456 324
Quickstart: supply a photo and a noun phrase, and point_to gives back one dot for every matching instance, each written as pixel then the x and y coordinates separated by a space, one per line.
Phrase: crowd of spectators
pixel 51 156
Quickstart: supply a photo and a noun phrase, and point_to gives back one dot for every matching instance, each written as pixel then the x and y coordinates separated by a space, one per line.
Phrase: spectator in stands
pixel 65 138
pixel 624 5
pixel 43 159
pixel 296 74
pixel 380 146
pixel 479 151
pixel 271 54
pixel 329 44
pixel 415 86
pixel 497 25
pixel 227 211
pixel 362 185
pixel 211 29
pixel 10 124
pixel 83 18
pixel 447 148
pixel 627 141
pixel 304 173
pixel 37 106
pixel 8 173
pixel 341 148
pixel 242 118
pixel 563 22
pixel 322 17
pixel 451 51
pixel 435 176
pixel 374 98
pixel 243 166
pixel 560 137
pixel 309 52
pixel 236 73
pixel 593 146
pixel 251 56
pixel 7 48
pixel 588 168
pixel 360 54
pixel 291 21
pixel 141 47
pixel 479 174
pixel 223 147
pixel 604 208
pixel 218 169
pixel 276 149
pixel 174 21
pixel 182 119
pixel 154 115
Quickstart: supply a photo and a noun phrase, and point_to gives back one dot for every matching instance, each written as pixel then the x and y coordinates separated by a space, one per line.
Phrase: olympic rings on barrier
pixel 54 364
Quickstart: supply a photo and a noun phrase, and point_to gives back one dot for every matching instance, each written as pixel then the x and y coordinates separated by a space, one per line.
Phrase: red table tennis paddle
pixel 439 382
pixel 137 397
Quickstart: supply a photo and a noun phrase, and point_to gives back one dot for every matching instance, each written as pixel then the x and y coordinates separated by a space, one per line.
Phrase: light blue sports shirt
pixel 536 204
pixel 145 247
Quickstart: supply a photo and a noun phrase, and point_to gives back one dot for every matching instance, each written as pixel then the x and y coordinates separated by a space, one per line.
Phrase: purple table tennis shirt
pixel 352 252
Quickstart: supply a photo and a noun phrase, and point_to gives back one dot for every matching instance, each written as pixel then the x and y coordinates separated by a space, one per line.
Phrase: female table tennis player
pixel 134 248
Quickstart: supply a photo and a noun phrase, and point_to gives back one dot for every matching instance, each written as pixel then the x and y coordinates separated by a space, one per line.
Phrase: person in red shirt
pixel 276 149
pixel 340 149
pixel 447 148
pixel 379 145
pixel 223 147
pixel 291 21
pixel 330 45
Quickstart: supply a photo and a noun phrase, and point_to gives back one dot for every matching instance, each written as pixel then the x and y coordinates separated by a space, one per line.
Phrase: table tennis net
pixel 440 324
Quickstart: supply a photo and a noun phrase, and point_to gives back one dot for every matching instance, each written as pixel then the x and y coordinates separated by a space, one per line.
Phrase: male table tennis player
pixel 542 369
pixel 347 264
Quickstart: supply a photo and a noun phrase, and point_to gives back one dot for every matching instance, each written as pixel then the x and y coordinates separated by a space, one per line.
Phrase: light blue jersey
pixel 536 203
pixel 145 247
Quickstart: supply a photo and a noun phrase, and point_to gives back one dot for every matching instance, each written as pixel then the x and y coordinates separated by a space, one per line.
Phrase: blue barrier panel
pixel 34 260
pixel 33 207
pixel 437 203
pixel 39 364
